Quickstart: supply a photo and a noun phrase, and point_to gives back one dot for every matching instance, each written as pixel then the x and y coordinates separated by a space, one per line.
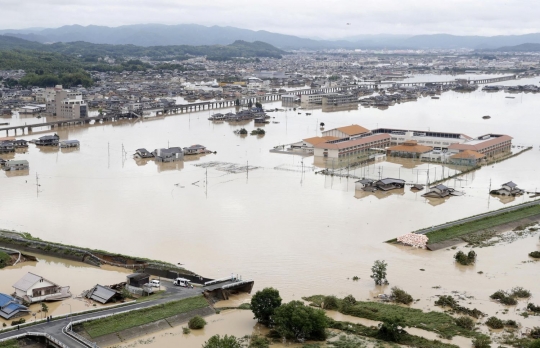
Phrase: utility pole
pixel 206 186
pixel 247 169
pixel 37 185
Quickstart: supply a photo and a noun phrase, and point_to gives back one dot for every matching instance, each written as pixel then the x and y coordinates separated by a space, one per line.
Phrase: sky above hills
pixel 326 19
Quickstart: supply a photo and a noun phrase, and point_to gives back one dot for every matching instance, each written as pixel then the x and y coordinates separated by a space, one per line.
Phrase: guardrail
pixel 67 330
pixel 241 282
pixel 41 334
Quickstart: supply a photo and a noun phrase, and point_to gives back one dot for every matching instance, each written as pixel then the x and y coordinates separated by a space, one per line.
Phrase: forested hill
pixel 89 51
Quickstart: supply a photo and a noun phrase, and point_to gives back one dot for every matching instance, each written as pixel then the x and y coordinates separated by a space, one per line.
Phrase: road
pixel 477 217
pixel 55 328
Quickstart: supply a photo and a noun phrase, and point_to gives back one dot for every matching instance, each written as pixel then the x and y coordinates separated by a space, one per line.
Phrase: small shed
pixel 138 279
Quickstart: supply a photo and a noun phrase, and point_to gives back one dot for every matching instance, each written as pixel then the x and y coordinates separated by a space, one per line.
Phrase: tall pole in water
pixel 206 186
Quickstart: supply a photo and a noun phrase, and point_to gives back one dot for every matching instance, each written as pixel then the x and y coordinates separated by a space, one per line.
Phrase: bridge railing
pixel 39 334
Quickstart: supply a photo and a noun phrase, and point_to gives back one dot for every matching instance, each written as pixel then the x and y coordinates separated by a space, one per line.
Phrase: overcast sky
pixel 315 18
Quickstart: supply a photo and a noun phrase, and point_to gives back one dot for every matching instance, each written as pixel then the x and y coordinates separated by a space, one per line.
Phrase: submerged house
pixel 386 184
pixel 168 155
pixel 7 146
pixel 441 191
pixel 143 153
pixel 33 288
pixel 11 308
pixel 194 149
pixel 70 143
pixel 508 189
pixel 48 140
pixel 15 165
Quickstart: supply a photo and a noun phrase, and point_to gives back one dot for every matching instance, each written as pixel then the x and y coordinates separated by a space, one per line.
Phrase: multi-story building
pixel 337 99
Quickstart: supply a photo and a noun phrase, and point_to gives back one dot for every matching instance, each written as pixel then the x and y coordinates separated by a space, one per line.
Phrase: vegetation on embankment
pixel 9 344
pixel 481 224
pixel 119 322
pixel 27 242
pixel 4 260
pixel 440 323
pixel 406 339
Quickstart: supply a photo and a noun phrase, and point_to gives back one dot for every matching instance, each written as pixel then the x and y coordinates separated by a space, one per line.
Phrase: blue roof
pixel 9 306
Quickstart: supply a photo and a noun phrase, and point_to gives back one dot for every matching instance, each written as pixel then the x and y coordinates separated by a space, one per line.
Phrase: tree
pixel 44 308
pixel 237 102
pixel 222 342
pixel 250 104
pixel 258 105
pixel 295 320
pixel 391 329
pixel 259 342
pixel 379 272
pixel 264 304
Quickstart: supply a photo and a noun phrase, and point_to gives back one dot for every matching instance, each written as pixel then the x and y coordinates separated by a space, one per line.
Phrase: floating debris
pixel 414 240
pixel 228 167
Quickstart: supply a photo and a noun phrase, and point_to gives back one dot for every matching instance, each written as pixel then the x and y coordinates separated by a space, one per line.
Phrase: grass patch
pixel 9 344
pixel 128 320
pixel 438 322
pixel 481 224
pixel 372 332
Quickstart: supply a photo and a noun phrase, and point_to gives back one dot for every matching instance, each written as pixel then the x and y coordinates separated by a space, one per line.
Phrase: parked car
pixel 155 283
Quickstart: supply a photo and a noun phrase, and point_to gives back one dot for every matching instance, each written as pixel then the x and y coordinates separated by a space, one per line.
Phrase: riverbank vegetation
pixel 119 322
pixel 465 228
pixel 5 259
pixel 438 322
pixel 465 260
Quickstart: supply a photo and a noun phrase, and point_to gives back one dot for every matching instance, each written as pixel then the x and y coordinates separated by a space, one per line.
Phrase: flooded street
pixel 299 232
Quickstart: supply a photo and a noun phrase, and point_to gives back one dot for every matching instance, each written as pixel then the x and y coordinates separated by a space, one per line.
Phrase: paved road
pixel 477 217
pixel 55 327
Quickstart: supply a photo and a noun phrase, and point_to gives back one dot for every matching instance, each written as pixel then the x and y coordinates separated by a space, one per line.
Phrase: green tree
pixel 264 304
pixel 44 308
pixel 4 259
pixel 258 105
pixel 259 342
pixel 391 329
pixel 237 102
pixel 379 272
pixel 222 342
pixel 295 320
pixel 250 104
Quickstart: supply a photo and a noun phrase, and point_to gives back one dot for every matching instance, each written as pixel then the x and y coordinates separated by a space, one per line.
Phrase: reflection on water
pixel 296 231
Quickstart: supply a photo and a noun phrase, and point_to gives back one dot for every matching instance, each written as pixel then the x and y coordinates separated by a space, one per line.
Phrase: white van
pixel 155 283
pixel 182 282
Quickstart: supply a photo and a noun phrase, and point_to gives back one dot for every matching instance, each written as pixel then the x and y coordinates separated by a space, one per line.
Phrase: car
pixel 155 283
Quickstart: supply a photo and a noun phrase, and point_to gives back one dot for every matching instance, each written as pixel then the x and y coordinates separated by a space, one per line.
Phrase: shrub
pixel 509 301
pixel 330 302
pixel 534 344
pixel 243 131
pixel 222 342
pixel 497 295
pixel 504 298
pixel 196 323
pixel 355 278
pixel 446 301
pixel 264 304
pixel 18 322
pixel 465 322
pixel 186 330
pixel 519 292
pixel 511 323
pixel 495 323
pixel 481 342
pixel 535 254
pixel 401 296
pixel 531 307
pixel 259 342
pixel 465 260
pixel 349 299
pixel 535 332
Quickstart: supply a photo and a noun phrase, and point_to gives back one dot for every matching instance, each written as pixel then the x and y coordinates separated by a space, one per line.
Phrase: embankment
pixel 126 326
pixel 25 242
pixel 502 220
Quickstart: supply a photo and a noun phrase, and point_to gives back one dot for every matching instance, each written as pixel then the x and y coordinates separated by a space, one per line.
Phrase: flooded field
pixel 283 227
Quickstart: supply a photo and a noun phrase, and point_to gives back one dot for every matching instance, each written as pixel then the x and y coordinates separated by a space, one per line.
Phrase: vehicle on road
pixel 155 283
pixel 185 283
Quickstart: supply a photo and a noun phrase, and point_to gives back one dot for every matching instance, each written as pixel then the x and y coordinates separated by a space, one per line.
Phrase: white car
pixel 155 283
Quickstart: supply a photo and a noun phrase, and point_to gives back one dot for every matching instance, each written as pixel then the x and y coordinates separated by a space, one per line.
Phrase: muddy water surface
pixel 283 227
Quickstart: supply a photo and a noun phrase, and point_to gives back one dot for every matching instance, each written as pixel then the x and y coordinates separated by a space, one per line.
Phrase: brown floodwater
pixel 77 275
pixel 283 227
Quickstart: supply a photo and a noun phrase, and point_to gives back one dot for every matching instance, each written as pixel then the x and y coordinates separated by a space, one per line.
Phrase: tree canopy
pixel 264 304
